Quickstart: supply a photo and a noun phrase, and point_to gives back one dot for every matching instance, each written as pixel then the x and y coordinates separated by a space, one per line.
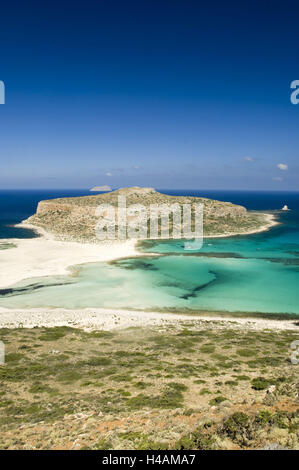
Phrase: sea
pixel 255 274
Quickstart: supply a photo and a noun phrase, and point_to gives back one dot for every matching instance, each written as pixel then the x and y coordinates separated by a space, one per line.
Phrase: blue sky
pixel 168 94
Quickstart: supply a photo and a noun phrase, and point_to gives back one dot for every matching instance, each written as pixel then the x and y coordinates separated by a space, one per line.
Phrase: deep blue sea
pixel 17 205
pixel 256 273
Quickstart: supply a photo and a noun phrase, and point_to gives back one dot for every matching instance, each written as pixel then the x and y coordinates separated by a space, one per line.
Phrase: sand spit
pixel 45 256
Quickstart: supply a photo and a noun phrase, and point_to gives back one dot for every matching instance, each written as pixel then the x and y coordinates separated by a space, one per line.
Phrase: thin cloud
pixel 283 166
pixel 277 178
pixel 108 174
pixel 249 159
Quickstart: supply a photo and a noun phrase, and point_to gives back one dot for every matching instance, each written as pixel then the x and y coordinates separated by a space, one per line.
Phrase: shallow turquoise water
pixel 176 282
pixel 256 273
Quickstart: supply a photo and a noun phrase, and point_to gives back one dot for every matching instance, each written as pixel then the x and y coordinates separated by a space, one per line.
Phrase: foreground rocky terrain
pixel 184 385
pixel 75 218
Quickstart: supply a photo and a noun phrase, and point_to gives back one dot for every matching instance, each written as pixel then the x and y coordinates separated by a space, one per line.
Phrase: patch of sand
pixel 44 256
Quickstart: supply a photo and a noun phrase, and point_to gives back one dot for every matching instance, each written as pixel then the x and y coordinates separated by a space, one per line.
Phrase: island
pixel 136 378
pixel 101 188
pixel 74 218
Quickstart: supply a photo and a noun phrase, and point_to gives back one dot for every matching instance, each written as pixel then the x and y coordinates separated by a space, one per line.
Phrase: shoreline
pixel 115 319
pixel 47 256
pixel 271 222
pixel 270 219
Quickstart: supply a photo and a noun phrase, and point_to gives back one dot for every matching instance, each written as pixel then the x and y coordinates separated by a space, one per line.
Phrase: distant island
pixel 74 218
pixel 101 188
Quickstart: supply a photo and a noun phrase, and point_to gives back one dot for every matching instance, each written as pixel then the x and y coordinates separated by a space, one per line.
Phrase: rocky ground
pixel 183 385
pixel 75 218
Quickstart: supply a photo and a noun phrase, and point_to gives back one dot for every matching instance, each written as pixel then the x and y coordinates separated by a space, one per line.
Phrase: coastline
pixel 47 256
pixel 271 222
pixel 115 319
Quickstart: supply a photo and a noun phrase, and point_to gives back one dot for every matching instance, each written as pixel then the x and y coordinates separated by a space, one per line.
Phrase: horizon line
pixel 156 189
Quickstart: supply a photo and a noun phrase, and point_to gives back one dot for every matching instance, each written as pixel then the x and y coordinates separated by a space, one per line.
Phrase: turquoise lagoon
pixel 258 273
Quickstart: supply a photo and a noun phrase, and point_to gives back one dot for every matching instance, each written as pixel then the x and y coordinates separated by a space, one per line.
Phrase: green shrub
pixel 52 334
pixel 103 444
pixel 207 348
pixel 260 383
pixel 13 357
pixel 264 417
pixel 98 361
pixel 177 386
pixel 204 391
pixel 217 400
pixel 197 440
pixel 235 424
pixel 246 352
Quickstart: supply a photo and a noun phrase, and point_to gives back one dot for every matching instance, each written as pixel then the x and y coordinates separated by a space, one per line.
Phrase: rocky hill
pixel 75 218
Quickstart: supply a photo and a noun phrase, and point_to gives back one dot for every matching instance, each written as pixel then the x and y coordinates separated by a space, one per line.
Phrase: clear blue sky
pixel 169 94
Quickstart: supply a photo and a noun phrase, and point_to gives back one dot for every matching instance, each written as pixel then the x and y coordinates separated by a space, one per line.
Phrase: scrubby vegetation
pixel 190 386
pixel 74 218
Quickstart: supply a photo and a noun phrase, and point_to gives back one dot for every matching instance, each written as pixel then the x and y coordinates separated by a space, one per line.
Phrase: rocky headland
pixel 74 218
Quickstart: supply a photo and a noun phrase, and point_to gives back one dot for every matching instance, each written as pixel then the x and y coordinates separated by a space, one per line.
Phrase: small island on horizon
pixel 101 188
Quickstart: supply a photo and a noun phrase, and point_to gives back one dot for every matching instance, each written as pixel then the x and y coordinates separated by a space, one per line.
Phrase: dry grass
pixel 170 387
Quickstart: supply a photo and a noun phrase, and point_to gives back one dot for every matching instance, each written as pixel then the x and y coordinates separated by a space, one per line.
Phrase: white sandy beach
pixel 109 319
pixel 45 256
